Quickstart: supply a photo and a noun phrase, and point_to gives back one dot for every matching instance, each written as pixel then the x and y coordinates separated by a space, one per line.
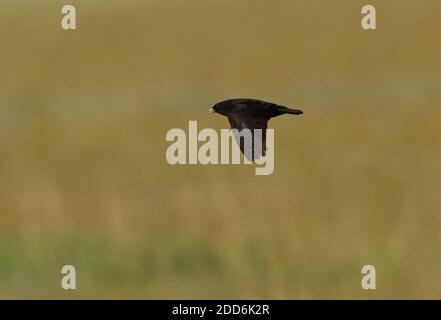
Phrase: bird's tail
pixel 284 110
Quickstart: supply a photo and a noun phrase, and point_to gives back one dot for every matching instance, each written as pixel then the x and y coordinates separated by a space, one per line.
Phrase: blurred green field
pixel 83 176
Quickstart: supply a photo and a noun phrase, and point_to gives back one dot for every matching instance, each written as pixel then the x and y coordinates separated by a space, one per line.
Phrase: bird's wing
pixel 240 120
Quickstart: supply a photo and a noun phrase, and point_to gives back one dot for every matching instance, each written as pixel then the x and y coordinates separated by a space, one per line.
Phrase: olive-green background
pixel 83 176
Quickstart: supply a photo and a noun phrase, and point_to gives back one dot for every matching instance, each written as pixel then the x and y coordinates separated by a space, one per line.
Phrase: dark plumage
pixel 251 114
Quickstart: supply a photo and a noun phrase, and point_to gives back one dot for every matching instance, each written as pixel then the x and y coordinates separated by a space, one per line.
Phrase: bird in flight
pixel 250 114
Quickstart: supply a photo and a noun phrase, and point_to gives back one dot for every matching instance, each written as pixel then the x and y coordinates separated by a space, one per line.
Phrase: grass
pixel 83 176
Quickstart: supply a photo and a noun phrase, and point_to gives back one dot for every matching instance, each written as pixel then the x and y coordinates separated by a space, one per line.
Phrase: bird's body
pixel 251 114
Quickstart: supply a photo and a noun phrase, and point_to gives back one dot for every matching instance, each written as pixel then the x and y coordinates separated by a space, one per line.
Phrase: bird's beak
pixel 211 110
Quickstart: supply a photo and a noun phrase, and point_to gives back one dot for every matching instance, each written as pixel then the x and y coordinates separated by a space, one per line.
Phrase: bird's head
pixel 222 108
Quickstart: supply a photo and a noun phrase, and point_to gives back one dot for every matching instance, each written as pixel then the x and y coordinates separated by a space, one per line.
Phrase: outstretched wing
pixel 242 119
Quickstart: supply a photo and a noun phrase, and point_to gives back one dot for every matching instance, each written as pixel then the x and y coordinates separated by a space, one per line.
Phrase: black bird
pixel 251 114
